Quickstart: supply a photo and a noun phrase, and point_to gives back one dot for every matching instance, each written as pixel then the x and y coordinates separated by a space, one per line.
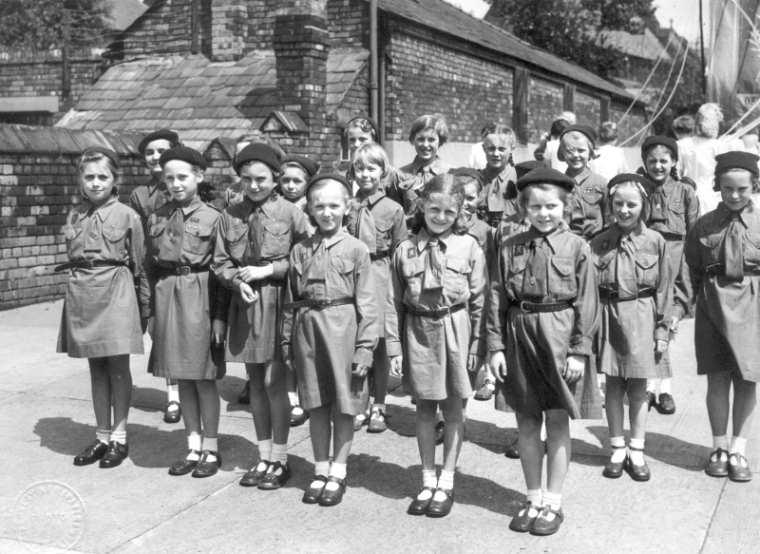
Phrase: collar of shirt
pixel 330 241
pixel 194 204
pixel 744 214
pixel 434 167
pixel 157 185
pixel 265 205
pixel 552 238
pixel 502 176
pixel 105 209
pixel 582 176
pixel 423 238
pixel 372 199
pixel 636 235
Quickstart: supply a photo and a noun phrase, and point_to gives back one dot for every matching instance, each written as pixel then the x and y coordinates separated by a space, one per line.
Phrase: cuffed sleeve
pixel 394 309
pixel 367 319
pixel 585 306
pixel 477 302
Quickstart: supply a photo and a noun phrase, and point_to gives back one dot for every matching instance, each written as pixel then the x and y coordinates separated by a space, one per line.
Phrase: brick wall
pixel 37 190
pixel 545 101
pixel 424 77
pixel 587 109
pixel 41 74
pixel 229 29
pixel 162 31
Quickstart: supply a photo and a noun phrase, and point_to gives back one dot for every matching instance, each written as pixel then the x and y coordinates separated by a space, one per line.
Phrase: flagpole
pixel 702 48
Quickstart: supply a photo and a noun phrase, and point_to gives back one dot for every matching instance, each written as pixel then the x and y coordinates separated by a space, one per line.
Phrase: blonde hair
pixel 577 135
pixel 709 118
pixel 373 153
pixel 90 156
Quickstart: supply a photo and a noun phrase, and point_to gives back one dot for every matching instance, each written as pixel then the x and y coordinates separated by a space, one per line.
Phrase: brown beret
pixel 659 140
pixel 545 176
pixel 309 166
pixel 630 178
pixel 583 129
pixel 332 177
pixel 258 152
pixel 161 134
pixel 107 152
pixel 185 154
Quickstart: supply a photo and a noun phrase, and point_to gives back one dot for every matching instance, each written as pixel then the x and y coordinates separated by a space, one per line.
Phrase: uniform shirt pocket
pixel 412 271
pixel 236 240
pixel 647 270
pixel 752 250
pixel 562 281
pixel 275 239
pixel 383 237
pixel 197 240
pixel 456 281
pixel 591 196
pixel 710 246
pixel 603 268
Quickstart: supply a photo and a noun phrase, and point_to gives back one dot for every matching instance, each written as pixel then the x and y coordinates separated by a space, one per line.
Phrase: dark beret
pixel 107 152
pixel 736 159
pixel 184 153
pixel 583 129
pixel 330 176
pixel 469 173
pixel 165 134
pixel 524 168
pixel 362 121
pixel 310 166
pixel 659 140
pixel 258 152
pixel 546 176
pixel 630 178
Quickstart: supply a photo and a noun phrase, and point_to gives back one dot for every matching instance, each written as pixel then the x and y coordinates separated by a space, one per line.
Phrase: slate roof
pixel 644 45
pixel 442 17
pixel 55 140
pixel 122 13
pixel 200 99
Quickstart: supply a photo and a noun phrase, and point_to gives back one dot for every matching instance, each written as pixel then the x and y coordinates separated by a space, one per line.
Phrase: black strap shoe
pixel 523 521
pixel 312 494
pixel 548 522
pixel 91 454
pixel 172 412
pixel 254 475
pixel 115 454
pixel 666 404
pixel 185 466
pixel 440 508
pixel 332 497
pixel 419 507
pixel 738 468
pixel 206 467
pixel 276 476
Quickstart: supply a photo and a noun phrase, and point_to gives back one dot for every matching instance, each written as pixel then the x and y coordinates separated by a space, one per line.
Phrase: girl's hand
pixel 473 363
pixel 358 373
pixel 218 332
pixel 396 365
pixel 660 347
pixel 497 364
pixel 574 368
pixel 255 273
pixel 248 294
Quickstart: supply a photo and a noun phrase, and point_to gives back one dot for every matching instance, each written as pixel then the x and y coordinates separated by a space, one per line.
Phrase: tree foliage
pixel 42 24
pixel 570 28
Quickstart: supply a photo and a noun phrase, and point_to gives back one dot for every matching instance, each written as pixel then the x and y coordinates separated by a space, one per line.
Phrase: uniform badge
pixel 195 219
pixel 410 252
pixel 519 250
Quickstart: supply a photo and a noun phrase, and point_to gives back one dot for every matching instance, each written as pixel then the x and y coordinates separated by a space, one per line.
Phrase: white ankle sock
pixel 280 453
pixel 119 436
pixel 535 496
pixel 652 385
pixel 666 386
pixel 378 406
pixel 429 478
pixel 338 471
pixel 211 443
pixel 293 397
pixel 172 393
pixel 553 500
pixel 322 468
pixel 739 446
pixel 265 450
pixel 446 480
pixel 637 451
pixel 103 435
pixel 720 442
pixel 618 449
pixel 194 441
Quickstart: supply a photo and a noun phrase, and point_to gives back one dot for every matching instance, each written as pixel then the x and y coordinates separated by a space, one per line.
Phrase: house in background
pixel 297 70
pixel 33 87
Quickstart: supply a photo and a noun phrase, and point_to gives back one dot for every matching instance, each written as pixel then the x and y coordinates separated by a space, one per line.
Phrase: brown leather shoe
pixel 717 463
pixel 738 468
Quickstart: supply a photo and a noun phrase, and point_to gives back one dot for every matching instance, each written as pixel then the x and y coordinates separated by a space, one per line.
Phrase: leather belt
pixel 671 236
pixel 613 294
pixel 318 304
pixel 719 270
pixel 543 307
pixel 436 314
pixel 87 264
pixel 164 271
pixel 380 255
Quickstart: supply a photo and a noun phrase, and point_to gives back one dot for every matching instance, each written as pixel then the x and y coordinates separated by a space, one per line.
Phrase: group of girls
pixel 432 274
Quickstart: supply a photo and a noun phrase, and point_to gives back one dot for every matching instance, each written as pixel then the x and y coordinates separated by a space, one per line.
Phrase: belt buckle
pixel 522 306
pixel 321 303
pixel 183 270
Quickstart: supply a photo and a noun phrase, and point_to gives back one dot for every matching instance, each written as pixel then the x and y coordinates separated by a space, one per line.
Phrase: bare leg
pixel 718 389
pixel 260 410
pixel 208 400
pixel 343 436
pixel 101 392
pixel 558 449
pixel 613 405
pixel 453 415
pixel 531 449
pixel 745 400
pixel 279 405
pixel 320 432
pixel 425 424
pixel 638 407
pixel 121 390
pixel 188 396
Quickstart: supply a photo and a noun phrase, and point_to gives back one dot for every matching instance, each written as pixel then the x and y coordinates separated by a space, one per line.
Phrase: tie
pixel 626 268
pixel 733 258
pixel 433 276
pixel 658 206
pixel 537 267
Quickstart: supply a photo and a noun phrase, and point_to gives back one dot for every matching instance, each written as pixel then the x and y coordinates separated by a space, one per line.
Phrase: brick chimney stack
pixel 301 43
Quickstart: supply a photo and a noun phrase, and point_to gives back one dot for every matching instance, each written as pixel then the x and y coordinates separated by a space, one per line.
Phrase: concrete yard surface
pixel 49 505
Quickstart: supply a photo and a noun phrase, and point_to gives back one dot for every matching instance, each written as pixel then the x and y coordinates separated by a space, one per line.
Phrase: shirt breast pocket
pixel 457 280
pixel 343 269
pixel 197 240
pixel 412 271
pixel 115 238
pixel 677 207
pixel 710 245
pixel 647 269
pixel 562 281
pixel 516 271
pixel 602 264
pixel 384 230
pixel 236 240
pixel 275 239
pixel 752 250
pixel 591 196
